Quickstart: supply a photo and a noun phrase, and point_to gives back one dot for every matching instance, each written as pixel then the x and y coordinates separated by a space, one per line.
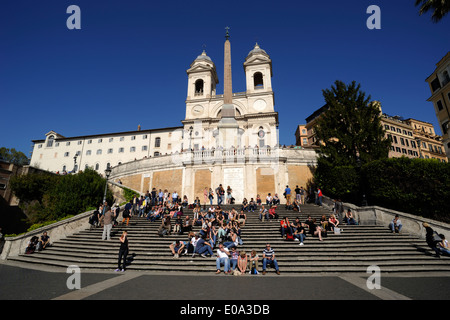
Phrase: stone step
pixel 352 251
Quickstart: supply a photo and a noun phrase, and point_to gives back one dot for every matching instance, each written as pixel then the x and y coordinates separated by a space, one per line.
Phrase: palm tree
pixel 439 7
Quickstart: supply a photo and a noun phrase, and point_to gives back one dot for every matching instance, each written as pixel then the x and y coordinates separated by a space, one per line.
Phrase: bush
pixel 416 186
pixel 50 197
pixel 337 182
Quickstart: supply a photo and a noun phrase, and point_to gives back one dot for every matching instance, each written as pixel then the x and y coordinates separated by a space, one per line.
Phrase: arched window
pixel 50 141
pixel 156 154
pixel 199 87
pixel 97 166
pixel 258 80
pixel 157 142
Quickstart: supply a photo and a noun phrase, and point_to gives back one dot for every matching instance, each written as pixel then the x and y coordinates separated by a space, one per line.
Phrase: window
pixel 145 136
pixel 57 144
pixel 424 144
pixel 78 153
pixel 50 141
pixel 439 105
pixel 402 141
pixel 261 135
pixel 97 166
pixel 156 154
pixel 68 143
pixel 304 130
pixel 122 138
pixel 169 146
pixel 399 130
pixel 64 168
pixel 392 128
pixel 39 146
pixel 305 141
pixel 407 142
pixel 258 80
pixel 386 126
pixel 132 149
pixel 66 154
pixel 395 139
pixel 199 87
pixel 99 151
pixel 398 149
pixel 110 151
pixel 121 150
pixel 133 138
pixel 80 142
pixel 88 152
pixel 144 148
pixel 413 144
pixel 435 84
pixel 111 139
pixel 100 140
pixel 89 141
pixel 157 142
pixel 404 151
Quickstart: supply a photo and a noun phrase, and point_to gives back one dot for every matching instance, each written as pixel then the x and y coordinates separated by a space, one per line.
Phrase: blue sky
pixel 127 65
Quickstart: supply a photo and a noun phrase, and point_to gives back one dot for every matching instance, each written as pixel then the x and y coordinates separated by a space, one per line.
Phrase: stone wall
pixel 382 216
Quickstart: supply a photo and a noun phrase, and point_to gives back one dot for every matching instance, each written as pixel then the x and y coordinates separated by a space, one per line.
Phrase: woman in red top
pixel 333 222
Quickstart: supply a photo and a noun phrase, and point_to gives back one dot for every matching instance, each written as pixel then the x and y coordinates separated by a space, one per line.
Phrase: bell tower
pixel 202 83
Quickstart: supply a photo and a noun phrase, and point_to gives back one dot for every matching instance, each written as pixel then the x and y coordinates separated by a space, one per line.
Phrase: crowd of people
pixel 219 230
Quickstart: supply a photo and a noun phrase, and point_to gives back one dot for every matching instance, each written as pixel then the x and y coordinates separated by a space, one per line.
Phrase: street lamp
pixel 75 163
pixel 107 174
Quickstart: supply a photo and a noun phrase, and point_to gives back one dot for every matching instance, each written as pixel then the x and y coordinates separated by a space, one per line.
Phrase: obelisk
pixel 228 128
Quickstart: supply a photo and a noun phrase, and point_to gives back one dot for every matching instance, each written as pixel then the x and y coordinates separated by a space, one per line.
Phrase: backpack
pixel 289 237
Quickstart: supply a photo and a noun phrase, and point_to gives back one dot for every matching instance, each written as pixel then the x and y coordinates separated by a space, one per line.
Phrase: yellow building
pixel 301 136
pixel 439 82
pixel 410 138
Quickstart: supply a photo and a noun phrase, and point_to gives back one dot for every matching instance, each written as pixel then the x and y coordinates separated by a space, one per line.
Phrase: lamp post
pixel 107 173
pixel 75 163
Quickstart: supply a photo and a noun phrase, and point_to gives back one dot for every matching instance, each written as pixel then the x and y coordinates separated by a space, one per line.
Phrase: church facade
pixel 229 139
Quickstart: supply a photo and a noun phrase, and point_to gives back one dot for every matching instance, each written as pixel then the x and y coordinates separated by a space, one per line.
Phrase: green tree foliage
pixel 439 8
pixel 13 156
pixel 338 182
pixel 50 197
pixel 416 186
pixel 350 128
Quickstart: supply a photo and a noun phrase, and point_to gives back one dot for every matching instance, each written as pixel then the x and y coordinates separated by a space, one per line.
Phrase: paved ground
pixel 178 292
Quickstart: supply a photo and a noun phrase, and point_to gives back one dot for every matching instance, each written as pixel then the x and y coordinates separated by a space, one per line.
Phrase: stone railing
pixel 382 216
pixel 15 246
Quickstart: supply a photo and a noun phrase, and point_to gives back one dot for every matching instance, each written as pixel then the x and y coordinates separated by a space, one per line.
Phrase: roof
pixel 111 134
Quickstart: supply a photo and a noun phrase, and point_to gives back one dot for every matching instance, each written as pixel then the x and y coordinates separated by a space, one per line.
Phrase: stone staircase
pixel 354 250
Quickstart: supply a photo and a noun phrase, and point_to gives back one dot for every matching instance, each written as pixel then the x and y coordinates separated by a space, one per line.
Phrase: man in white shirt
pixel 223 258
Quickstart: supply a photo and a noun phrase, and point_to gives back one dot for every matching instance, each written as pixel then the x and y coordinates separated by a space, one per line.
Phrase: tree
pixel 13 156
pixel 439 7
pixel 349 130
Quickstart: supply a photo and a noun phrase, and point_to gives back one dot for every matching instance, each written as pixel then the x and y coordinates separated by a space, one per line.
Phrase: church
pixel 229 139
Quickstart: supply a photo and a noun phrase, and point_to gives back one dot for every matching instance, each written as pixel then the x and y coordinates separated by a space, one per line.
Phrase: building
pixel 229 139
pixel 301 136
pixel 410 138
pixel 439 83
